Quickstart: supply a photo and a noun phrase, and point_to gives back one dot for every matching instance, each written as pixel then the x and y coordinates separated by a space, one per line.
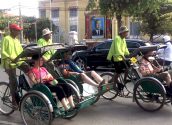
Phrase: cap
pixel 123 29
pixel 1 32
pixel 46 31
pixel 15 26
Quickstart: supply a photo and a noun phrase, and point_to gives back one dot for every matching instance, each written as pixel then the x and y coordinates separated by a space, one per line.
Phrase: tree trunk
pixel 119 20
pixel 151 37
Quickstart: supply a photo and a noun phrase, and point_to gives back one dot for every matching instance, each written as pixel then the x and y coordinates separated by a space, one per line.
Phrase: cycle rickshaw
pixel 148 92
pixel 37 104
pixel 83 89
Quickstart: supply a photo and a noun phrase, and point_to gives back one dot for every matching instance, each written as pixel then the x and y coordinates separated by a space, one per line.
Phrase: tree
pixel 27 32
pixel 41 24
pixel 152 26
pixel 155 22
pixel 28 25
pixel 121 8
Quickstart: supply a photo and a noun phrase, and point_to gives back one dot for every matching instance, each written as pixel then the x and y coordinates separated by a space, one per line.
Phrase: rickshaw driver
pixel 117 52
pixel 146 68
pixel 44 41
pixel 11 48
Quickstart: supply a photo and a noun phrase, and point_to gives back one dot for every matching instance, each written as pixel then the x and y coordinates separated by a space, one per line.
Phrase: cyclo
pixel 87 93
pixel 37 104
pixel 148 92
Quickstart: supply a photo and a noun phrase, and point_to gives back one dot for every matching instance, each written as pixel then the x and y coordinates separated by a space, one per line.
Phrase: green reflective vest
pixel 118 49
pixel 10 49
pixel 43 42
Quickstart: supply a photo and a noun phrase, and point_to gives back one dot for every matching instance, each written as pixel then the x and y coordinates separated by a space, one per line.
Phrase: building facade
pixel 71 15
pixel 67 15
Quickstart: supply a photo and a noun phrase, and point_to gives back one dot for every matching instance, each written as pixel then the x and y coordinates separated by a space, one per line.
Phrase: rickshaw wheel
pixel 149 94
pixel 109 78
pixel 6 99
pixel 81 62
pixel 73 84
pixel 76 100
pixel 35 109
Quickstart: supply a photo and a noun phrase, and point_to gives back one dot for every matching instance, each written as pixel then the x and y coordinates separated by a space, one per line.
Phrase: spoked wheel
pixel 131 78
pixel 149 94
pixel 73 84
pixel 6 99
pixel 81 63
pixel 109 78
pixel 76 100
pixel 36 109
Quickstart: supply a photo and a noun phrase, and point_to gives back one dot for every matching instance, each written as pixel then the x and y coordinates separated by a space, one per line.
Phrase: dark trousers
pixel 13 79
pixel 61 90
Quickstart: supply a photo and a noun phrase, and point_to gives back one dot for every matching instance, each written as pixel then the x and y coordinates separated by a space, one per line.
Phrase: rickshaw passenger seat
pixel 24 82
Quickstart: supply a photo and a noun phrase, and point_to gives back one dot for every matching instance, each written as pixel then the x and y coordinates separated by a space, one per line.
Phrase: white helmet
pixel 166 38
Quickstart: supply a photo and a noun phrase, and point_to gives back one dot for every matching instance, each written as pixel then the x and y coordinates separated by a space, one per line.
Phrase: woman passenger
pixel 147 68
pixel 39 74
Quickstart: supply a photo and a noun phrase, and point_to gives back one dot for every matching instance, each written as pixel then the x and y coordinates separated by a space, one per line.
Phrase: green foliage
pixel 154 19
pixel 156 23
pixel 40 24
pixel 121 8
pixel 29 25
pixel 5 21
pixel 151 13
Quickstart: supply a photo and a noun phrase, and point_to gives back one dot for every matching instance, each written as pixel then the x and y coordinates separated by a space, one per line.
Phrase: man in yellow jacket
pixel 10 49
pixel 117 53
pixel 44 41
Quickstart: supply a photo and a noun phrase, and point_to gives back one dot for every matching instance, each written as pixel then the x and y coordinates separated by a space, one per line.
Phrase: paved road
pixel 121 111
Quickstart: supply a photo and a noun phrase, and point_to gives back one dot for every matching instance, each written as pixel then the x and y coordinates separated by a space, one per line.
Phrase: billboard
pixel 98 27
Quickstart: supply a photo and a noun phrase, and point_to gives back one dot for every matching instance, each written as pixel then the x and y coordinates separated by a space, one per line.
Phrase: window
pixel 101 46
pixel 55 13
pixel 42 13
pixel 73 12
pixel 108 45
pixel 104 46
pixel 73 28
pixel 133 45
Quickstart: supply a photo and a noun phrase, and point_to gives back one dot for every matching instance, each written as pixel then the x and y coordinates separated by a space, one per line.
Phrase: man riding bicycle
pixel 117 52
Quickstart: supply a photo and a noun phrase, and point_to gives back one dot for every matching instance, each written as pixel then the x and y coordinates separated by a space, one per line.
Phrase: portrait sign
pixel 98 27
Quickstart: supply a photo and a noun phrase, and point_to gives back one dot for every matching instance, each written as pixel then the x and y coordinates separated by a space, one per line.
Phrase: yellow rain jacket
pixel 43 42
pixel 10 49
pixel 118 49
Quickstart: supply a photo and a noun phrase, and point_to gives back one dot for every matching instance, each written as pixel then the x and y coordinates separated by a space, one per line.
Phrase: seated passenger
pixel 68 68
pixel 165 55
pixel 148 69
pixel 39 74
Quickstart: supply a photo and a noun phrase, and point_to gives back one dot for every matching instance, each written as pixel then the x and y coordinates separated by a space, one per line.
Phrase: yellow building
pixel 68 15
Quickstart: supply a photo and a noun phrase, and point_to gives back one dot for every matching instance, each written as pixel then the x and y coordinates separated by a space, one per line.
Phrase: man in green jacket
pixel 117 53
pixel 10 49
pixel 44 41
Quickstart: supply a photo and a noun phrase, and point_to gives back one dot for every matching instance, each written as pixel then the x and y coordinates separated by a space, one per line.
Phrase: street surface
pixel 120 111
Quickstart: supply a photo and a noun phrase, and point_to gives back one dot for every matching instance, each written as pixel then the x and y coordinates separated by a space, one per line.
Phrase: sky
pixel 28 7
